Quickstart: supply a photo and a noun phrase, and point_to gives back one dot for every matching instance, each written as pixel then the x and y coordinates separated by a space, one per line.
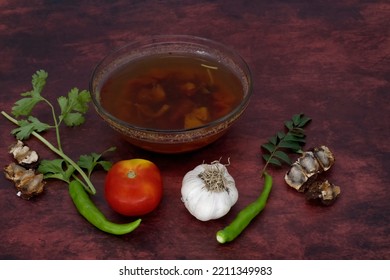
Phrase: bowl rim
pixel 166 39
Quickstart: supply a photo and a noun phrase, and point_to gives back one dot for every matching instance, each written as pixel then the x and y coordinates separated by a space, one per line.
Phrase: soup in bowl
pixel 171 94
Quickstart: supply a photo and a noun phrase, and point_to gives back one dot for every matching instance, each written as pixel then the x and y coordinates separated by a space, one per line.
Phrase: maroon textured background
pixel 328 59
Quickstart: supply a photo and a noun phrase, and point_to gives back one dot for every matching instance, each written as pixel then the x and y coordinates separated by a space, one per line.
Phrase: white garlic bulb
pixel 209 191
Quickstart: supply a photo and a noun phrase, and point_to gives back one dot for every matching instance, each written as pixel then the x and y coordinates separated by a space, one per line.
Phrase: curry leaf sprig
pixel 275 150
pixel 72 109
pixel 275 153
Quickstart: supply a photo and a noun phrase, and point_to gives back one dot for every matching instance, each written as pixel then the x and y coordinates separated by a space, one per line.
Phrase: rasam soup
pixel 171 92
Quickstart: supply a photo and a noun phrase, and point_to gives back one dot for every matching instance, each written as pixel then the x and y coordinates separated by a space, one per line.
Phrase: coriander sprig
pixel 72 109
pixel 275 150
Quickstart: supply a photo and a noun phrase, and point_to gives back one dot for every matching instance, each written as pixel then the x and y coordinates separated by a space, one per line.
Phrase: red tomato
pixel 133 187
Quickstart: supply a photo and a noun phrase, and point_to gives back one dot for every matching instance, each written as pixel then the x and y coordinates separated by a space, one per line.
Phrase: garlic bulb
pixel 208 191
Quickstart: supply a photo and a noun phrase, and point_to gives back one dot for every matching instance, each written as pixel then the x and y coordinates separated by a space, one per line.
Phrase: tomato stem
pixel 131 174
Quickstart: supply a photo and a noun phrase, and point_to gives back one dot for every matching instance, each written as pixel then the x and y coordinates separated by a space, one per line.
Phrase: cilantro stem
pixel 56 124
pixel 90 188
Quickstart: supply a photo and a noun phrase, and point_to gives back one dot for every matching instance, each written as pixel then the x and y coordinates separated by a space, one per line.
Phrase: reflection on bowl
pixel 171 94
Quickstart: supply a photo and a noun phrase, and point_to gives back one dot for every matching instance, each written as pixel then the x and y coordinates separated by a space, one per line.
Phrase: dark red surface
pixel 328 59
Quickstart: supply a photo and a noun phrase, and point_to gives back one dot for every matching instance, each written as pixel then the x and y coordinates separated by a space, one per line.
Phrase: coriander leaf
pixel 89 162
pixel 79 100
pixel 26 127
pixel 24 106
pixel 74 106
pixel 39 80
pixel 74 119
pixel 54 169
pixel 72 109
pixel 106 165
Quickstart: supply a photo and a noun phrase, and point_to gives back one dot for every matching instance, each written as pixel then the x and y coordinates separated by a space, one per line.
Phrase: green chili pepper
pixel 89 211
pixel 245 216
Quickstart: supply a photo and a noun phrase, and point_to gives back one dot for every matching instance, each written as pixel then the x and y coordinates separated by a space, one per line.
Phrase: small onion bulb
pixel 209 191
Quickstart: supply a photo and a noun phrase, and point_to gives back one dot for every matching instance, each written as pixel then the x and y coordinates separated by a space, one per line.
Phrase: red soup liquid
pixel 171 92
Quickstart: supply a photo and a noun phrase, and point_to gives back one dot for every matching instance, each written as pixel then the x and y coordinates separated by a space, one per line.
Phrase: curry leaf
pixel 278 146
pixel 268 146
pixel 282 156
pixel 272 160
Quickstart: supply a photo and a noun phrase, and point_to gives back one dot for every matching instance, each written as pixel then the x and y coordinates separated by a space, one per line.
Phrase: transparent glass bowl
pixel 177 140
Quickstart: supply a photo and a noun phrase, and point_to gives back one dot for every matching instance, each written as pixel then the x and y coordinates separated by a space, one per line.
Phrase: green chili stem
pixel 90 188
pixel 246 215
pixel 93 215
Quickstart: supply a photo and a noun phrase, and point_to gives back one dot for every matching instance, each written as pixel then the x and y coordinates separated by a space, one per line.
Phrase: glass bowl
pixel 170 140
